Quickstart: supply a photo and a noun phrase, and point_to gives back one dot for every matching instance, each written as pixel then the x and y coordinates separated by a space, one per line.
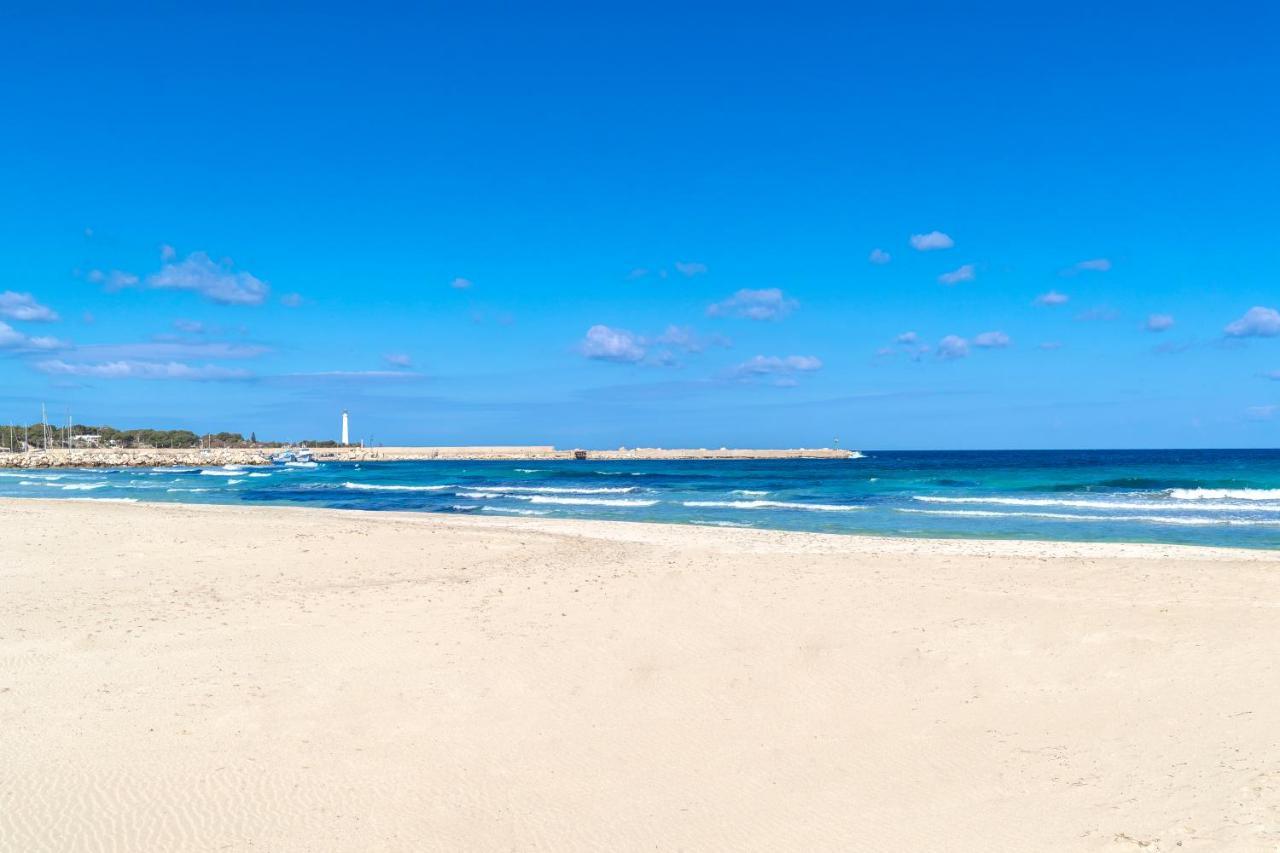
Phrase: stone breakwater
pixel 134 458
pixel 158 458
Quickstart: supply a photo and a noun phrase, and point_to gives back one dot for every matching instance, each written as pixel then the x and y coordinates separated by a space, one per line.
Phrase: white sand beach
pixel 248 678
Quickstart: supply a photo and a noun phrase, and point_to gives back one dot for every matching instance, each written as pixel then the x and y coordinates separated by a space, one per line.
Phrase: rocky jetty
pixel 149 458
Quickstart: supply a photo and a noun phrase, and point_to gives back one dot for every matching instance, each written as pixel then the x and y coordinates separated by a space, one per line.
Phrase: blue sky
pixel 924 226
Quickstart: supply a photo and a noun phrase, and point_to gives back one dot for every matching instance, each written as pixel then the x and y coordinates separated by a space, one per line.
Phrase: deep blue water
pixel 1208 497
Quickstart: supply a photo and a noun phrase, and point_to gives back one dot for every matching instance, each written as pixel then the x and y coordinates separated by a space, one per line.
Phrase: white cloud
pixel 1159 322
pixel 686 339
pixel 12 339
pixel 1257 322
pixel 1261 413
pixel 1053 297
pixel 690 268
pixel 906 338
pixel 398 359
pixel 23 306
pixel 124 369
pixel 767 304
pixel 217 282
pixel 1093 265
pixel 605 343
pixel 782 369
pixel 291 300
pixel 460 283
pixel 931 241
pixel 167 252
pixel 114 280
pixel 991 340
pixel 166 351
pixel 191 327
pixel 1051 345
pixel 952 347
pixel 964 273
pixel 879 256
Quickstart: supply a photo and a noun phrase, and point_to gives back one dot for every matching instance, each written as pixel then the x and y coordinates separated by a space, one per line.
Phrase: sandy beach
pixel 248 678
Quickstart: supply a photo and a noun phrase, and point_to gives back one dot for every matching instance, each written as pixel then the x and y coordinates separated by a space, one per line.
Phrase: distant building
pixel 86 440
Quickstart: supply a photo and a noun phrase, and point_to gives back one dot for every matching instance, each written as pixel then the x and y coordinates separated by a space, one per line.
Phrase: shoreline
pixel 640 531
pixel 164 457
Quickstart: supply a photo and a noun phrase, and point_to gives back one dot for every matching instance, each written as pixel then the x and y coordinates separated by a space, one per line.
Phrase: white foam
pixel 83 487
pixel 1066 516
pixel 233 482
pixel 378 487
pixel 561 490
pixel 1150 506
pixel 106 500
pixel 858 454
pixel 221 472
pixel 773 505
pixel 186 490
pixel 162 470
pixel 755 492
pixel 514 511
pixel 302 464
pixel 259 475
pixel 547 499
pixel 1228 494
pixel 31 474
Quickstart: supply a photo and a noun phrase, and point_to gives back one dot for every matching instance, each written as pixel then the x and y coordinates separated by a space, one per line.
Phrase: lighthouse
pixel 345 436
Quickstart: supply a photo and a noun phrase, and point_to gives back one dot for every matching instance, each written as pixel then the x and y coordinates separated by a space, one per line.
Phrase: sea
pixel 1200 497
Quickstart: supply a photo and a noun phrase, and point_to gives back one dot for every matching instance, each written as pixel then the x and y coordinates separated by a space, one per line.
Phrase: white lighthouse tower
pixel 345 436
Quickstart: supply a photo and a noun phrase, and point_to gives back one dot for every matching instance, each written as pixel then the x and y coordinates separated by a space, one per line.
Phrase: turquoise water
pixel 1229 498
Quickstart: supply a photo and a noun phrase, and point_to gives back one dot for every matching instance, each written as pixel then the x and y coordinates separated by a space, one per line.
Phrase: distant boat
pixel 296 457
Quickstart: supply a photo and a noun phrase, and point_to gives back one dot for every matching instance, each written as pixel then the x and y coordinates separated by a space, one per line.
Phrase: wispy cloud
pixel 879 256
pixel 460 283
pixel 12 339
pixel 23 306
pixel 956 276
pixel 1052 298
pixel 1261 413
pixel 1049 345
pixel 113 280
pixel 166 351
pixel 125 369
pixel 1159 323
pixel 689 269
pixel 1091 265
pixel 991 340
pixel 767 304
pixel 781 370
pixel 217 282
pixel 398 359
pixel 191 327
pixel 354 374
pixel 952 347
pixel 906 338
pixel 1099 313
pixel 931 241
pixel 291 300
pixel 1257 322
